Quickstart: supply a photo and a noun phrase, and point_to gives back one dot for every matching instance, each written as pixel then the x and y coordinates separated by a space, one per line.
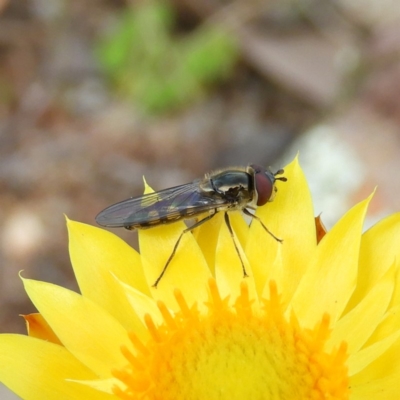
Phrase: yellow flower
pixel 312 320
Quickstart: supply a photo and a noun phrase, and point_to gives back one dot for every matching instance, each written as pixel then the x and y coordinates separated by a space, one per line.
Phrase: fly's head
pixel 264 183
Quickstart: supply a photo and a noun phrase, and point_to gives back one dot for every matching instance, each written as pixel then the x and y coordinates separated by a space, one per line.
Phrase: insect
pixel 232 189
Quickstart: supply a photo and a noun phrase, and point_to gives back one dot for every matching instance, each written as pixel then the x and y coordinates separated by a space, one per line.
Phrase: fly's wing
pixel 167 205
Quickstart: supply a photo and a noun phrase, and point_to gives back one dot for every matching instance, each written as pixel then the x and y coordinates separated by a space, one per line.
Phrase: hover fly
pixel 241 188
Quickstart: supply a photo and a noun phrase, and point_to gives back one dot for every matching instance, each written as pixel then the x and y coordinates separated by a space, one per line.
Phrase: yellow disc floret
pixel 239 352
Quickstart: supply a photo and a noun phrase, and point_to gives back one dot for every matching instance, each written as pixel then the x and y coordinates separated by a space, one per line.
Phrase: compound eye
pixel 264 184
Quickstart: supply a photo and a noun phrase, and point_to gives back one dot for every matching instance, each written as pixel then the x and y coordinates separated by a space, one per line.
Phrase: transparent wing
pixel 171 204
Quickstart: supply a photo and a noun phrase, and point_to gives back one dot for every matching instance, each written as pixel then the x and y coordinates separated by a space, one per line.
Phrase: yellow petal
pixel 354 328
pixel 97 256
pixel 92 335
pixel 390 323
pixel 290 217
pixel 207 238
pixel 386 388
pixel 239 226
pixel 35 370
pixel 364 357
pixel 396 294
pixel 101 385
pixel 228 267
pixel 187 270
pixel 385 365
pixel 142 304
pixel 379 249
pixel 331 277
pixel 207 235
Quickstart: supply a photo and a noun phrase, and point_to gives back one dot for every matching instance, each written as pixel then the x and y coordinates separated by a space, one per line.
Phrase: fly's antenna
pixel 281 178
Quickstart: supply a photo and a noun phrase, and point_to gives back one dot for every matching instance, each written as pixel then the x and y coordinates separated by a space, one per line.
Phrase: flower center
pixel 240 352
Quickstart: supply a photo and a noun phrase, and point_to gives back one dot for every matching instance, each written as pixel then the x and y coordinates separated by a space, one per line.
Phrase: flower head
pixel 317 317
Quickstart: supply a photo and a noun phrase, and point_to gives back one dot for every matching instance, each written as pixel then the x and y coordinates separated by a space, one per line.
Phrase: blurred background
pixel 95 94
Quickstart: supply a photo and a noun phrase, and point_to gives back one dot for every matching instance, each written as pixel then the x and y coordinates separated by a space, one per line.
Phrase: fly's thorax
pixel 234 187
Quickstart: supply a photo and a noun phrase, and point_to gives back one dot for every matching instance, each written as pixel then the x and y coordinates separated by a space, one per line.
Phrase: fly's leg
pixel 197 224
pixel 228 224
pixel 247 212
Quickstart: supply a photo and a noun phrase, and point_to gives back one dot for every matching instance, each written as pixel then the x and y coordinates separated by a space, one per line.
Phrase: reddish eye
pixel 264 184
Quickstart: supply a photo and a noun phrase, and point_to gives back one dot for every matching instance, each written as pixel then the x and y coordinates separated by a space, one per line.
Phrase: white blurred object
pixel 333 169
pixel 23 233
